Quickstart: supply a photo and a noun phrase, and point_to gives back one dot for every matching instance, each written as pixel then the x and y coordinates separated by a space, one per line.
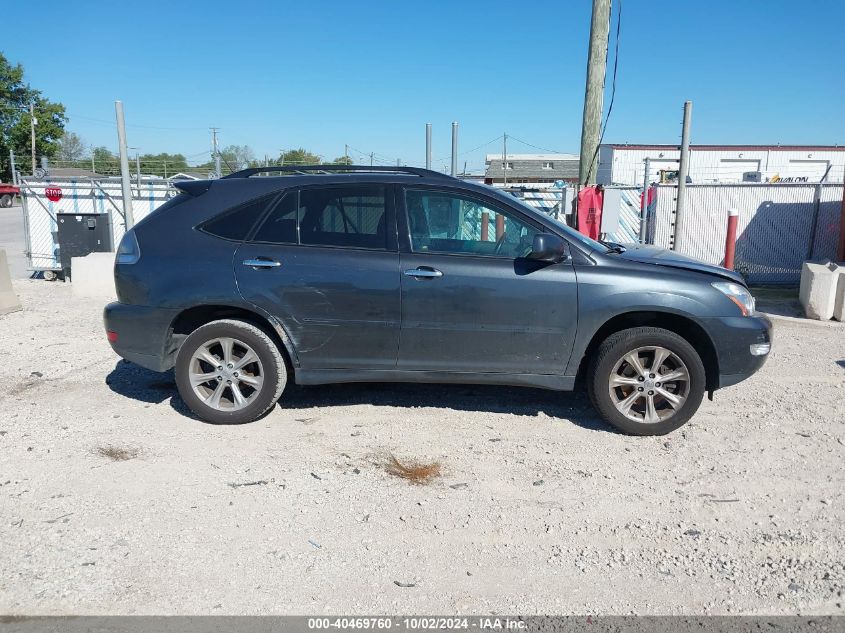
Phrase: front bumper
pixel 733 337
pixel 141 334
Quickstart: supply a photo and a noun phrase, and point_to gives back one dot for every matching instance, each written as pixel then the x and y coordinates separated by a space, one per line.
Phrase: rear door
pixel 325 263
pixel 471 301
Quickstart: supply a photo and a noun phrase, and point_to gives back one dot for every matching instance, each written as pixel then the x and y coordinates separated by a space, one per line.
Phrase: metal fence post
pixel 730 239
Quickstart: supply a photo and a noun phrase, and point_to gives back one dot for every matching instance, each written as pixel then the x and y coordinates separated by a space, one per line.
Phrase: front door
pixel 326 266
pixel 471 301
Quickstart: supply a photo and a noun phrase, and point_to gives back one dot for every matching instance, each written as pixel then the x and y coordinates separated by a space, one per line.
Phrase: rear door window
pixel 351 216
pixel 280 225
pixel 236 223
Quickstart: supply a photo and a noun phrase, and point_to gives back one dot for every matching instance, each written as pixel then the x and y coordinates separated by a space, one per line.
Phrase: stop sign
pixel 54 194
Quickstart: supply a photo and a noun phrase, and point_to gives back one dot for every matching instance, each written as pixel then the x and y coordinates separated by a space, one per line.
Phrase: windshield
pixel 562 226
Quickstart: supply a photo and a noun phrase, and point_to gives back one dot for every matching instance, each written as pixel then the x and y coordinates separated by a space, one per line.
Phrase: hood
pixel 646 254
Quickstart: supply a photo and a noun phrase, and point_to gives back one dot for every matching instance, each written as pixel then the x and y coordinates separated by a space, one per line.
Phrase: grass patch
pixel 415 472
pixel 117 454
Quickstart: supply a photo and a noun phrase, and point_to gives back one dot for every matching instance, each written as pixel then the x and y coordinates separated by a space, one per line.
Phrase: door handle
pixel 424 272
pixel 262 263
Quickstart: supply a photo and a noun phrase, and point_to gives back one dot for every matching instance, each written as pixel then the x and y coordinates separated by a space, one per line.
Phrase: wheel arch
pixel 191 318
pixel 681 325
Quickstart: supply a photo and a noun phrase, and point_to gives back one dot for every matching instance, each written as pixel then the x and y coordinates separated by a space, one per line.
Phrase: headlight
pixel 738 294
pixel 128 252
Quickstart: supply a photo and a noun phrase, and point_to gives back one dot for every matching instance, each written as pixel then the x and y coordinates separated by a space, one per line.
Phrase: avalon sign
pixel 54 194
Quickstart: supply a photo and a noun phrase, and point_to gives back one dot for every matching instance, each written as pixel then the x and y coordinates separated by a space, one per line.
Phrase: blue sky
pixel 321 74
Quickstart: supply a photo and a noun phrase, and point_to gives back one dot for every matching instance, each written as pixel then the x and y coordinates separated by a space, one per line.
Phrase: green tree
pixel 342 160
pixel 104 161
pixel 71 148
pixel 163 163
pixel 236 157
pixel 15 98
pixel 299 156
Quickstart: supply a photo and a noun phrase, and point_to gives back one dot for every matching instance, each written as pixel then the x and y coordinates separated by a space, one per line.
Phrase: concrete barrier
pixel 8 299
pixel 818 289
pixel 839 304
pixel 93 275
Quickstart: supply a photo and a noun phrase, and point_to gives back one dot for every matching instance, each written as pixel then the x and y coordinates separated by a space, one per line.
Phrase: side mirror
pixel 548 247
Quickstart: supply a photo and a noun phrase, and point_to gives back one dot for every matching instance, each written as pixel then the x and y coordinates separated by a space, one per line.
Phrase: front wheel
pixel 230 372
pixel 646 381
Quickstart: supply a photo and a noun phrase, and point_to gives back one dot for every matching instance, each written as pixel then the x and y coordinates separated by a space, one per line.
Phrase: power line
pixel 542 149
pixel 470 151
pixel 144 127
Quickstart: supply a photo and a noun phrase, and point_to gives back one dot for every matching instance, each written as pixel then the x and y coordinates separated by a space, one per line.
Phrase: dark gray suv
pixel 335 274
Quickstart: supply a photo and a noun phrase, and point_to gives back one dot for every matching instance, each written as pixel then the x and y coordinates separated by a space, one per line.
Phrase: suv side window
pixel 444 222
pixel 280 225
pixel 352 216
pixel 236 223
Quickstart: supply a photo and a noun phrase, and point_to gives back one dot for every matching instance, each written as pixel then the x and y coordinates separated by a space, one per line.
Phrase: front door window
pixel 449 223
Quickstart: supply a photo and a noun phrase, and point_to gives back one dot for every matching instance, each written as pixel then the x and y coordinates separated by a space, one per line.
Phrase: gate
pixel 44 200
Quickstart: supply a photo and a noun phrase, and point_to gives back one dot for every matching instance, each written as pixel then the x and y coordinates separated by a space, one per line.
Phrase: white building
pixel 624 164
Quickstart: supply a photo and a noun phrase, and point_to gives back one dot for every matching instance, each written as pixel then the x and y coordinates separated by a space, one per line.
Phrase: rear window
pixel 236 223
pixel 350 216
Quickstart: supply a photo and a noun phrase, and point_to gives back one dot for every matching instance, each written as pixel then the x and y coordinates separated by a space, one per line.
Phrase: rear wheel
pixel 5 201
pixel 646 381
pixel 230 372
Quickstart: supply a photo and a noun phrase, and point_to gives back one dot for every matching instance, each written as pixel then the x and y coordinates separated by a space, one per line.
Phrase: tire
pixel 267 371
pixel 5 201
pixel 683 395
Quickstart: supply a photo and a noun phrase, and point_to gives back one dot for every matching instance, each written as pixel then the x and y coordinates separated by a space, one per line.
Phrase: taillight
pixel 112 336
pixel 128 252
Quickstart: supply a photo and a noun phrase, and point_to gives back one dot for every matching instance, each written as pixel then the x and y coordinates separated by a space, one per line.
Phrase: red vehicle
pixel 7 194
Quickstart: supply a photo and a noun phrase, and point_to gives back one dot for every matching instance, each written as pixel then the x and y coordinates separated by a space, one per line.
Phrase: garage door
pixel 732 170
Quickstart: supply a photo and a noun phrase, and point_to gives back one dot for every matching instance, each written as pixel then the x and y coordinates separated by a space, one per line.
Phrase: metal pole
pixel 730 239
pixel 93 168
pixel 643 217
pixel 428 145
pixel 840 249
pixel 14 171
pixel 217 168
pixel 594 93
pixel 505 159
pixel 138 173
pixel 372 154
pixel 32 124
pixel 346 154
pixel 683 170
pixel 398 162
pixel 125 187
pixel 454 147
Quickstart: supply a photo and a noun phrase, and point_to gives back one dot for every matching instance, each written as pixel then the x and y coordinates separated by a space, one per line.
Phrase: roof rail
pixel 328 169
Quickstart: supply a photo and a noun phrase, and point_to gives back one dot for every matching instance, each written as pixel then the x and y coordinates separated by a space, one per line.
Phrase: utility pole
pixel 683 170
pixel 372 154
pixel 346 154
pixel 646 176
pixel 398 162
pixel 216 152
pixel 428 145
pixel 93 167
pixel 14 171
pixel 32 124
pixel 125 187
pixel 454 147
pixel 594 94
pixel 138 172
pixel 505 159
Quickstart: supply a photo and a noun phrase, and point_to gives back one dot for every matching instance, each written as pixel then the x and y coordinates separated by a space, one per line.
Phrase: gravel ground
pixel 116 501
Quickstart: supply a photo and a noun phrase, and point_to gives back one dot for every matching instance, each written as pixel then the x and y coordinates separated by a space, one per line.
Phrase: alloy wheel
pixel 226 374
pixel 649 384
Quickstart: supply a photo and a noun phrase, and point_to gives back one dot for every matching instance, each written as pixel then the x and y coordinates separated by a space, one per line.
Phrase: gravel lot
pixel 116 501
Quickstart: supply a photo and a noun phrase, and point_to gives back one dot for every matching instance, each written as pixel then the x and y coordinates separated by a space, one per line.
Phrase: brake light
pixel 112 336
pixel 128 252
